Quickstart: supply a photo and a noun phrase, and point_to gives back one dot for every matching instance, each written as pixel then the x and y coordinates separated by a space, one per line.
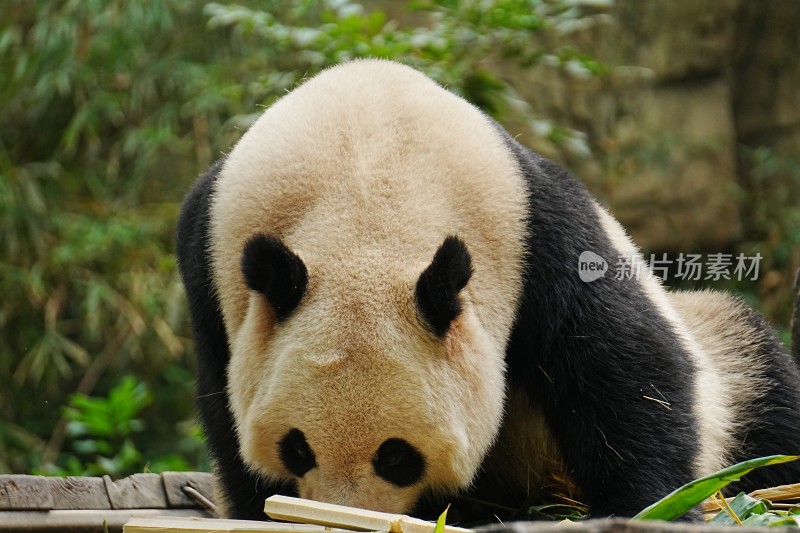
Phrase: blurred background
pixel 682 116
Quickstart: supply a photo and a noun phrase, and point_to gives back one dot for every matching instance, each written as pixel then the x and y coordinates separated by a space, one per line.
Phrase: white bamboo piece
pixel 339 516
pixel 173 524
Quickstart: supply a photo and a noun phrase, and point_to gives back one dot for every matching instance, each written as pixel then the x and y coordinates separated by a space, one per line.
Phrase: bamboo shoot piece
pixel 184 524
pixel 339 516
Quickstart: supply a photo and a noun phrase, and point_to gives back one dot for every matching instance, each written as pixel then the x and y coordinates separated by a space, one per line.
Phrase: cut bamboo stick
pixel 339 516
pixel 172 524
pixel 783 492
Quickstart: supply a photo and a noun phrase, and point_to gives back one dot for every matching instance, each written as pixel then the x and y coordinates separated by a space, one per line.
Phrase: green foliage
pixel 770 200
pixel 457 42
pixel 680 501
pixel 98 127
pixel 107 419
pixel 102 429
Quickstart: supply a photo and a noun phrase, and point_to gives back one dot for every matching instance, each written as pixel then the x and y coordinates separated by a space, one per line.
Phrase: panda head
pixel 364 390
pixel 367 235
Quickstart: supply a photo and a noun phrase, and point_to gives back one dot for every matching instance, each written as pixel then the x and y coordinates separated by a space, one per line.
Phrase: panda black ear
pixel 439 284
pixel 270 268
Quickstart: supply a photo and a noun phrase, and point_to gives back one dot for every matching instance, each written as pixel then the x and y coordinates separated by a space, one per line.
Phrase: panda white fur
pixel 386 308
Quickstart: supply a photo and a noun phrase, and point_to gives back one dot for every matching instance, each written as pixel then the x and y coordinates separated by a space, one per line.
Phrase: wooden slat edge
pixel 139 491
pixel 175 481
pixel 82 519
pixel 75 492
pixel 21 493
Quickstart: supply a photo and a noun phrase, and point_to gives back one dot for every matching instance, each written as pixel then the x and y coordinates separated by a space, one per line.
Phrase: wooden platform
pixel 84 504
pixel 33 504
pixel 624 525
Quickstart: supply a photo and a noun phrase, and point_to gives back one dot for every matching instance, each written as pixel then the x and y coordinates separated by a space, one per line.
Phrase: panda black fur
pixel 377 270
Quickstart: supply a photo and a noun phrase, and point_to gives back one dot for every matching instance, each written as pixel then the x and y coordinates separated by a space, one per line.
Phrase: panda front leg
pixel 622 449
pixel 242 492
pixel 618 396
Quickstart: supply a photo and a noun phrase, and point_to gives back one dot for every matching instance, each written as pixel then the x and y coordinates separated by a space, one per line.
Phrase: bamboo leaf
pixel 440 523
pixel 772 520
pixel 680 501
pixel 743 506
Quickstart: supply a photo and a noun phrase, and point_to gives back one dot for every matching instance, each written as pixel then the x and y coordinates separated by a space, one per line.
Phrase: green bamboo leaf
pixel 680 501
pixel 771 520
pixel 743 506
pixel 439 528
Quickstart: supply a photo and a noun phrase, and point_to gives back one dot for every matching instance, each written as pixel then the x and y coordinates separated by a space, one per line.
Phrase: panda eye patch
pixel 295 453
pixel 398 462
pixel 272 269
pixel 438 286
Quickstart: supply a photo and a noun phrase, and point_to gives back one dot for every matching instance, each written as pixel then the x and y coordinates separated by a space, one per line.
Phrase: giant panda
pixel 387 313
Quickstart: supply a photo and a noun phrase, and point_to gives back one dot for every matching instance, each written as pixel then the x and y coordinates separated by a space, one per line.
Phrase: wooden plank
pixel 340 516
pixel 79 521
pixel 175 481
pixel 79 493
pixel 25 493
pixel 619 525
pixel 139 491
pixel 170 524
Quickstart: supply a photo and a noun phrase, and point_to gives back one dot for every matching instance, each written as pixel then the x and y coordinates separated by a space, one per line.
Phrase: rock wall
pixel 692 81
